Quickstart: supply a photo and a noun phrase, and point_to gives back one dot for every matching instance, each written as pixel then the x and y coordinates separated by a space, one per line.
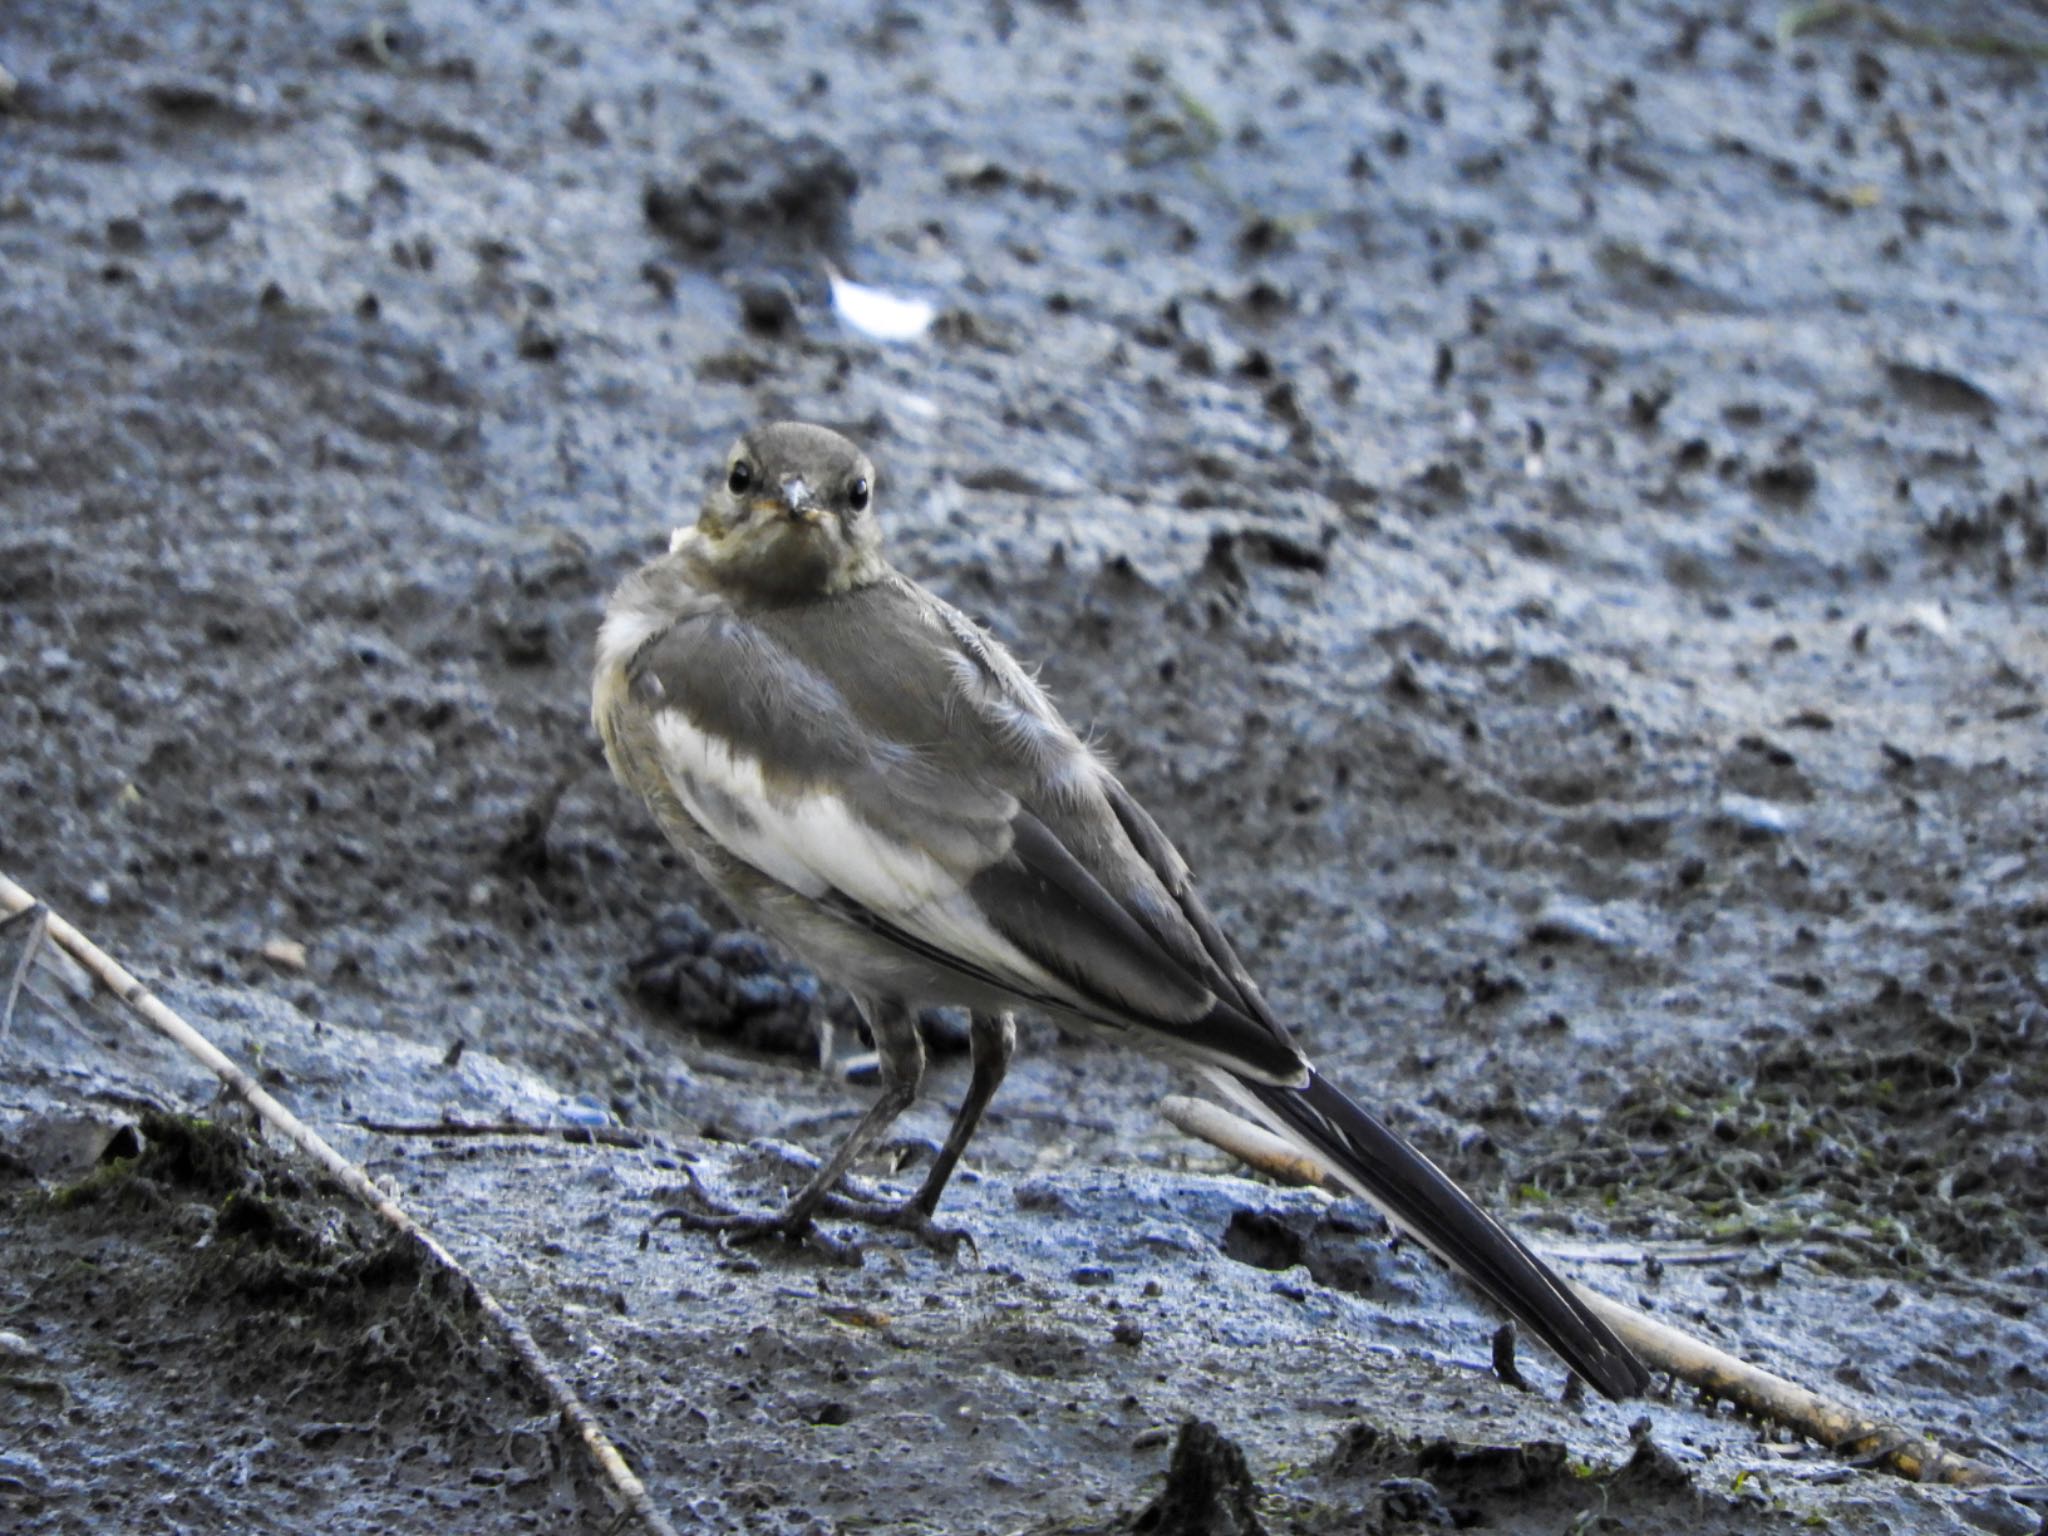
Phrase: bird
pixel 869 777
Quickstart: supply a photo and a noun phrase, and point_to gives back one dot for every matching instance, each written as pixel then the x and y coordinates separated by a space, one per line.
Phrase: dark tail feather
pixel 1417 1195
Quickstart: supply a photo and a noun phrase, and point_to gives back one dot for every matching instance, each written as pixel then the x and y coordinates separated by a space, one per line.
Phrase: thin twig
pixel 1675 1254
pixel 1055 1117
pixel 1663 1348
pixel 581 1135
pixel 611 1466
pixel 34 919
pixel 1991 45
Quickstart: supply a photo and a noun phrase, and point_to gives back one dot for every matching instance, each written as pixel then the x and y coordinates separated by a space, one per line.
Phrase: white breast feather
pixel 626 628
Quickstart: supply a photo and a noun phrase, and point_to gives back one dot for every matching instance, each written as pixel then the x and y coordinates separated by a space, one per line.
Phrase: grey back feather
pixel 901 706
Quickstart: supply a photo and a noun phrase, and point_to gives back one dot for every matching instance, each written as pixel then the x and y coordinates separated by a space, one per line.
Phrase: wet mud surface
pixel 1543 504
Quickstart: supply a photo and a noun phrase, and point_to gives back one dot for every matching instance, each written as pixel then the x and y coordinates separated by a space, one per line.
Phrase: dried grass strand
pixel 604 1455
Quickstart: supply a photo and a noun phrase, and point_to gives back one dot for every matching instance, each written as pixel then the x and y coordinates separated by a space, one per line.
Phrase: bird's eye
pixel 740 478
pixel 857 495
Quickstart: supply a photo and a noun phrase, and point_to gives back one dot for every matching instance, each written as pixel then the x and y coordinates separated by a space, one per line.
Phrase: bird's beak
pixel 798 501
pixel 794 500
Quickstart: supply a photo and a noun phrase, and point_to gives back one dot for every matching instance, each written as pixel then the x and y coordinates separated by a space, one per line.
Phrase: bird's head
pixel 791 516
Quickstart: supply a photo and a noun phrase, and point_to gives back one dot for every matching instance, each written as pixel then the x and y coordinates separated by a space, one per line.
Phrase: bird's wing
pixel 881 755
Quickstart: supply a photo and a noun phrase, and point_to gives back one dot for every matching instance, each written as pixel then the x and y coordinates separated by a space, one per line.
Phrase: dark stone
pixel 539 342
pixel 1332 1247
pixel 1788 479
pixel 1651 1466
pixel 681 930
pixel 189 100
pixel 1414 1501
pixel 743 953
pixel 768 307
pixel 1209 1490
pixel 1263 1240
pixel 748 191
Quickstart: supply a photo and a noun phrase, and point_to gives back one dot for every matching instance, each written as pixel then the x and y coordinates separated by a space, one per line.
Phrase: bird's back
pixel 886 704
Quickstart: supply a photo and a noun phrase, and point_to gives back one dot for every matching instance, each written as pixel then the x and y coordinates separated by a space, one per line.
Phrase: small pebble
pixel 1754 815
pixel 743 953
pixel 768 307
pixel 285 954
pixel 759 993
pixel 538 341
pixel 17 1350
pixel 681 930
pixel 2001 1514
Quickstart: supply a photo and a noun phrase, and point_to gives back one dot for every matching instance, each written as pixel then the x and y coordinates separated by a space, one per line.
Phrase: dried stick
pixel 580 1135
pixel 31 919
pixel 1249 1143
pixel 1657 1344
pixel 1835 1425
pixel 611 1466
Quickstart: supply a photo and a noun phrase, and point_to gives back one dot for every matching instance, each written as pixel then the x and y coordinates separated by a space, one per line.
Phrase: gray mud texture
pixel 1544 501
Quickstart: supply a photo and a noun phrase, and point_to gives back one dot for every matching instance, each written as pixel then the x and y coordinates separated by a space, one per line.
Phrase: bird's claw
pixel 791 1224
pixel 905 1216
pixel 733 1226
pixel 795 1223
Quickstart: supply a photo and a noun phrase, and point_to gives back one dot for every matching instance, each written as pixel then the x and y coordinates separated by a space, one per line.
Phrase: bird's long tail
pixel 1414 1192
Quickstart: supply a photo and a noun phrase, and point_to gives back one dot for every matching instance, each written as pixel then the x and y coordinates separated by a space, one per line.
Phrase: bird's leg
pixel 993 1039
pixel 902 1062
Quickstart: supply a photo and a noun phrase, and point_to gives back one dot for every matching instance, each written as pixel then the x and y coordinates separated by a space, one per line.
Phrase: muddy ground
pixel 1544 502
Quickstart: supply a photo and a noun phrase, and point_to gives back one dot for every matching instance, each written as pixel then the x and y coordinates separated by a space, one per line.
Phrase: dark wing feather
pixel 1386 1169
pixel 1225 971
pixel 1056 911
pixel 1421 1198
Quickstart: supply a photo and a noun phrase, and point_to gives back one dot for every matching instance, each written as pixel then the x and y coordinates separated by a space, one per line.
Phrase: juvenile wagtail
pixel 868 776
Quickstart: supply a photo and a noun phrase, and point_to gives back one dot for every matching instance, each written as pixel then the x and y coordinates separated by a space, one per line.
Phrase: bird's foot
pixel 752 1226
pixel 903 1215
pixel 795 1222
pixel 792 1224
pixel 855 1199
pixel 806 1165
